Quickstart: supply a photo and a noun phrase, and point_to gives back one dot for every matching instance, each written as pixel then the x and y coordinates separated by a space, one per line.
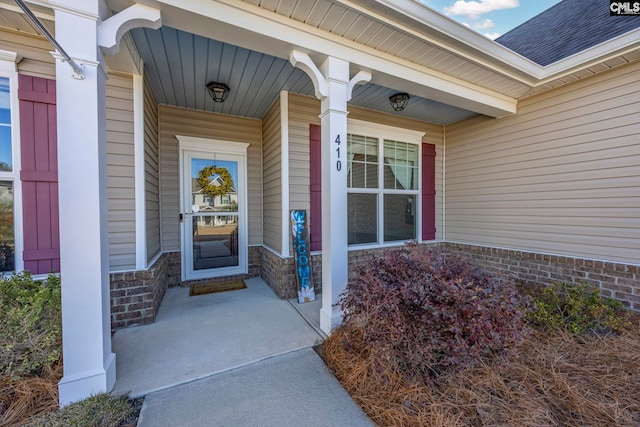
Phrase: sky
pixel 492 18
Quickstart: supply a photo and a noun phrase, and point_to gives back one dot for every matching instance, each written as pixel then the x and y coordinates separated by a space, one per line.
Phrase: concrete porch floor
pixel 196 337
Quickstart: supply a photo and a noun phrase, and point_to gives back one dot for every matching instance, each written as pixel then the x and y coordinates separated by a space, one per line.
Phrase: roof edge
pixel 602 52
pixel 491 54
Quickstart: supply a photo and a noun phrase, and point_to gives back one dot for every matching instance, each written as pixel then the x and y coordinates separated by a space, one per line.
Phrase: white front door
pixel 213 208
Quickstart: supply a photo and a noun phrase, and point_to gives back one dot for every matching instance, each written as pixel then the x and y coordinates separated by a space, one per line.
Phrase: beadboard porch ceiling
pixel 180 64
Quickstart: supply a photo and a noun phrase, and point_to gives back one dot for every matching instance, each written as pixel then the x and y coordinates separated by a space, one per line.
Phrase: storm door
pixel 213 210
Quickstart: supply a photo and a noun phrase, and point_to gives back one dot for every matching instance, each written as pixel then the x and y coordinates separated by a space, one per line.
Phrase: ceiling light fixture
pixel 399 101
pixel 218 91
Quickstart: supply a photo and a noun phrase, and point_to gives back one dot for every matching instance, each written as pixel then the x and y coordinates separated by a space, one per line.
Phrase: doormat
pixel 213 287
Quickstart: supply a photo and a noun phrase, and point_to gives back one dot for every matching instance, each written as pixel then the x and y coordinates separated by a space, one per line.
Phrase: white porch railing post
pixel 89 364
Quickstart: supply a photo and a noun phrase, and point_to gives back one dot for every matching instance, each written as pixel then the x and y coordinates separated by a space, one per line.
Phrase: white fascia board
pixel 472 45
pixel 502 59
pixel 257 29
pixel 608 50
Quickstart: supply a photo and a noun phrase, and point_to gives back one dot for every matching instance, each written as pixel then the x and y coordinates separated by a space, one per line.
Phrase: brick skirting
pixel 136 295
pixel 617 280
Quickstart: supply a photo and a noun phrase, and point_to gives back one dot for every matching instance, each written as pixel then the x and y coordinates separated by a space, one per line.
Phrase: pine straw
pixel 558 379
pixel 22 399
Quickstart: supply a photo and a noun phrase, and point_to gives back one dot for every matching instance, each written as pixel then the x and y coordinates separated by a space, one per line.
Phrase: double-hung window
pixel 383 184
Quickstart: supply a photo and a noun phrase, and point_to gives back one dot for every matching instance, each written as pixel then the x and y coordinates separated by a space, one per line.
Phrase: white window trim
pixel 284 172
pixel 381 133
pixel 8 69
pixel 377 130
pixel 139 172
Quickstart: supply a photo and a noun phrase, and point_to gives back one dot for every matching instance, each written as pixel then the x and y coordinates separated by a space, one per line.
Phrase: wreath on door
pixel 208 187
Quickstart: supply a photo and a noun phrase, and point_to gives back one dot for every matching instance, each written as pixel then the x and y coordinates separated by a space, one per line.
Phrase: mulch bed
pixel 24 398
pixel 21 401
pixel 557 380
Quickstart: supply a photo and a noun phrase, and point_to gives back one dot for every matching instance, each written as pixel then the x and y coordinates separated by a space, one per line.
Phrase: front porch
pixel 309 126
pixel 196 337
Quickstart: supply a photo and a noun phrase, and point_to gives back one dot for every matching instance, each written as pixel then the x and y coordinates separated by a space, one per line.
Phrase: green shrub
pixel 578 308
pixel 100 410
pixel 30 320
pixel 421 312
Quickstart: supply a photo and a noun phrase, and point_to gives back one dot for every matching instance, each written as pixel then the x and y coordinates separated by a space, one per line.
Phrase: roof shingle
pixel 569 27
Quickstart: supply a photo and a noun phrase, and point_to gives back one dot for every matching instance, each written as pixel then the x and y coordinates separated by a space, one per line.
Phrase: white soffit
pixel 436 41
pixel 404 37
pixel 260 30
pixel 463 41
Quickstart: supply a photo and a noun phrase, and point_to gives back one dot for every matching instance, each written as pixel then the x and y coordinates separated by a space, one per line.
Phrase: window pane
pixel 372 175
pixel 358 175
pixel 399 217
pixel 362 218
pixel 5 126
pixel 400 165
pixel 362 162
pixel 6 227
pixel 215 241
pixel 213 185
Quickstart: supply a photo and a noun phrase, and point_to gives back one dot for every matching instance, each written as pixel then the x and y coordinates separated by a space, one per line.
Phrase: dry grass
pixel 27 397
pixel 558 379
pixel 33 402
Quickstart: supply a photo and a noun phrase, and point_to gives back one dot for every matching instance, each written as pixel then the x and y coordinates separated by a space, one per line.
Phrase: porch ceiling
pixel 180 64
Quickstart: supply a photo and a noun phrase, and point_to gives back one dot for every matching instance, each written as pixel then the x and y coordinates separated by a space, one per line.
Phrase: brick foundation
pixel 136 295
pixel 174 268
pixel 616 280
pixel 279 274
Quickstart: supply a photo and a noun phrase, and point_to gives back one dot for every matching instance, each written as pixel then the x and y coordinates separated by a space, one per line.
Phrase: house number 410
pixel 338 163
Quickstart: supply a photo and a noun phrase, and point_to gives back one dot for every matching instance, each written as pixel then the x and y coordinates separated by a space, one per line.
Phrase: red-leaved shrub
pixel 422 312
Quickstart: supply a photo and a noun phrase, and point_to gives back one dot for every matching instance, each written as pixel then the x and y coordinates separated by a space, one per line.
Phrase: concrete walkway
pixel 295 389
pixel 238 358
pixel 195 337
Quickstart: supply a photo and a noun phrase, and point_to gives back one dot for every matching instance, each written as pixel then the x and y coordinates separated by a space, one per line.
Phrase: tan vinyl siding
pixel 174 121
pixel 38 61
pixel 120 172
pixel 35 51
pixel 152 183
pixel 254 184
pixel 304 110
pixel 271 159
pixel 562 176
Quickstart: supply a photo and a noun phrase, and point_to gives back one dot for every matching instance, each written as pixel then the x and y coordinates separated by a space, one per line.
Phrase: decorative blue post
pixel 300 235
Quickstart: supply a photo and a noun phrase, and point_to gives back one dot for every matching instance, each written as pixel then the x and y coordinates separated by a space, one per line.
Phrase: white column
pixel 333 87
pixel 333 116
pixel 89 364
